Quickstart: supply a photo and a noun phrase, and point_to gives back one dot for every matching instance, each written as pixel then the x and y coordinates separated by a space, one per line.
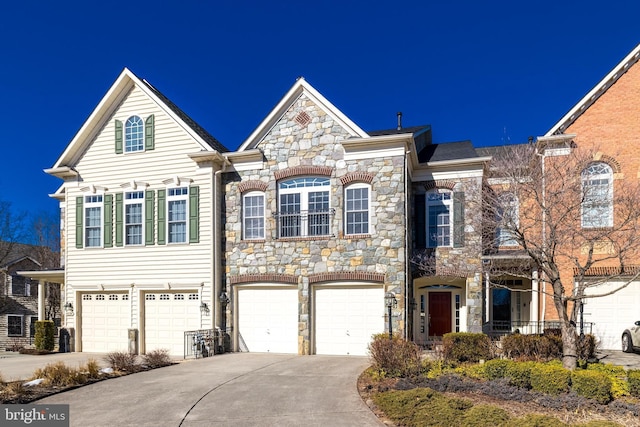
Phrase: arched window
pixel 303 206
pixel 134 134
pixel 597 196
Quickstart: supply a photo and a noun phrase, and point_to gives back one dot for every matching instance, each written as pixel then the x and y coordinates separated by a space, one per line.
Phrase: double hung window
pixel 14 325
pixel 253 215
pixel 93 221
pixel 304 208
pixel 177 214
pixel 508 220
pixel 133 217
pixel 439 218
pixel 357 209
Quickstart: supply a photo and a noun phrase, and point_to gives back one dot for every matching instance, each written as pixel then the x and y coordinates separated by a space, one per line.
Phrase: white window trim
pixel 129 202
pixel 304 205
pixel 433 243
pixel 175 198
pixel 21 316
pixel 609 177
pixel 245 217
pixel 513 211
pixel 357 186
pixel 124 142
pixel 87 205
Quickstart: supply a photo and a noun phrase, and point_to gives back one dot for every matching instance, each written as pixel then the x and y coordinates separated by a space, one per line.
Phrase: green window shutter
pixel 162 217
pixel 149 133
pixel 79 222
pixel 419 221
pixel 458 219
pixel 119 220
pixel 148 217
pixel 194 215
pixel 118 137
pixel 108 220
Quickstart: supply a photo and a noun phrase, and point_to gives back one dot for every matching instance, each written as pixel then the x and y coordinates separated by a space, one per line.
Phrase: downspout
pixel 217 242
pixel 544 235
pixel 407 263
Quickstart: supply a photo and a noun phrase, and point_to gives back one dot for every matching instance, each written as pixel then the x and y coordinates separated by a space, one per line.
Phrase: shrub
pixel 396 357
pixel 422 406
pixel 532 347
pixel 45 331
pixel 485 416
pixel 617 375
pixel 519 374
pixel 592 385
pixel 91 369
pixel 550 379
pixel 474 371
pixel 633 377
pixel 536 420
pixel 496 368
pixel 586 347
pixel 59 374
pixel 157 358
pixel 122 361
pixel 437 368
pixel 466 347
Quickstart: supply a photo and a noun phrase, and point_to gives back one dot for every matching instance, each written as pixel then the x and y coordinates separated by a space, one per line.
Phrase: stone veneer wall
pixel 465 261
pixel 318 143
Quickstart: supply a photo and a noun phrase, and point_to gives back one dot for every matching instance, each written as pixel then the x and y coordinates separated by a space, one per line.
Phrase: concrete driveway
pixel 239 389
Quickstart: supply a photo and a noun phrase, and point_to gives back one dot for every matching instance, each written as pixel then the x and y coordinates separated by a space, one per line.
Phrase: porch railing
pixel 502 327
pixel 304 223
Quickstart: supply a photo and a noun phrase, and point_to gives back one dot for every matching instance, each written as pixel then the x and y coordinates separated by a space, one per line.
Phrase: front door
pixel 439 313
pixel 501 309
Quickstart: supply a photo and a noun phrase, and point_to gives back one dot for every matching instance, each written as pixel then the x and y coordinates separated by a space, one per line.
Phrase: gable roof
pixel 299 88
pixel 595 93
pixel 110 102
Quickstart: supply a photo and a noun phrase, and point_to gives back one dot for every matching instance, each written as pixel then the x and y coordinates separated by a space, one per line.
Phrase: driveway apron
pixel 241 389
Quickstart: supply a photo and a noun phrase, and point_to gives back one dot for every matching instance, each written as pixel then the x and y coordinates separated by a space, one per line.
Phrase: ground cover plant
pixel 501 392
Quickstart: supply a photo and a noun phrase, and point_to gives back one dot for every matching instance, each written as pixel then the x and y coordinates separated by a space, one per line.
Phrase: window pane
pixel 177 221
pixel 133 221
pixel 134 134
pixel 439 226
pixel 253 217
pixel 14 325
pixel 597 205
pixel 357 208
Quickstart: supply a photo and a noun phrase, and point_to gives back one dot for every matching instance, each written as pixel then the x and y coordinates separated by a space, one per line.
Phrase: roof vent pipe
pixel 399 120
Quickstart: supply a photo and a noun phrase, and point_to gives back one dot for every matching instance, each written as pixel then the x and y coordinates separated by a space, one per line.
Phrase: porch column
pixel 487 297
pixel 41 299
pixel 535 296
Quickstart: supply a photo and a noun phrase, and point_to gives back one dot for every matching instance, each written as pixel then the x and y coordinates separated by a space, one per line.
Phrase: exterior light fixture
pixel 68 308
pixel 224 298
pixel 204 308
pixel 391 302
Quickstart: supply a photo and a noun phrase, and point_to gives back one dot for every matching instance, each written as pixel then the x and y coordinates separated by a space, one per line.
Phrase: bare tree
pixel 12 231
pixel 579 234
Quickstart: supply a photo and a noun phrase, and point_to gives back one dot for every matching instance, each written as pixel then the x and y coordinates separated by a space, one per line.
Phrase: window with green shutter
pixel 162 217
pixel 149 133
pixel 119 220
pixel 458 219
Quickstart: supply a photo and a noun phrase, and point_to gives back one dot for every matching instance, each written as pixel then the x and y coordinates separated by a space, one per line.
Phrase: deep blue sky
pixel 491 71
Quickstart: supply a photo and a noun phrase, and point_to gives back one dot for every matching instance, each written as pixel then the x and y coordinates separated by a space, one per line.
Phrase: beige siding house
pixel 138 198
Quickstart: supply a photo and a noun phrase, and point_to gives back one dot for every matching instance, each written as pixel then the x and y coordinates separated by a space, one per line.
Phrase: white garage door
pixel 612 314
pixel 167 316
pixel 268 320
pixel 346 318
pixel 105 320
